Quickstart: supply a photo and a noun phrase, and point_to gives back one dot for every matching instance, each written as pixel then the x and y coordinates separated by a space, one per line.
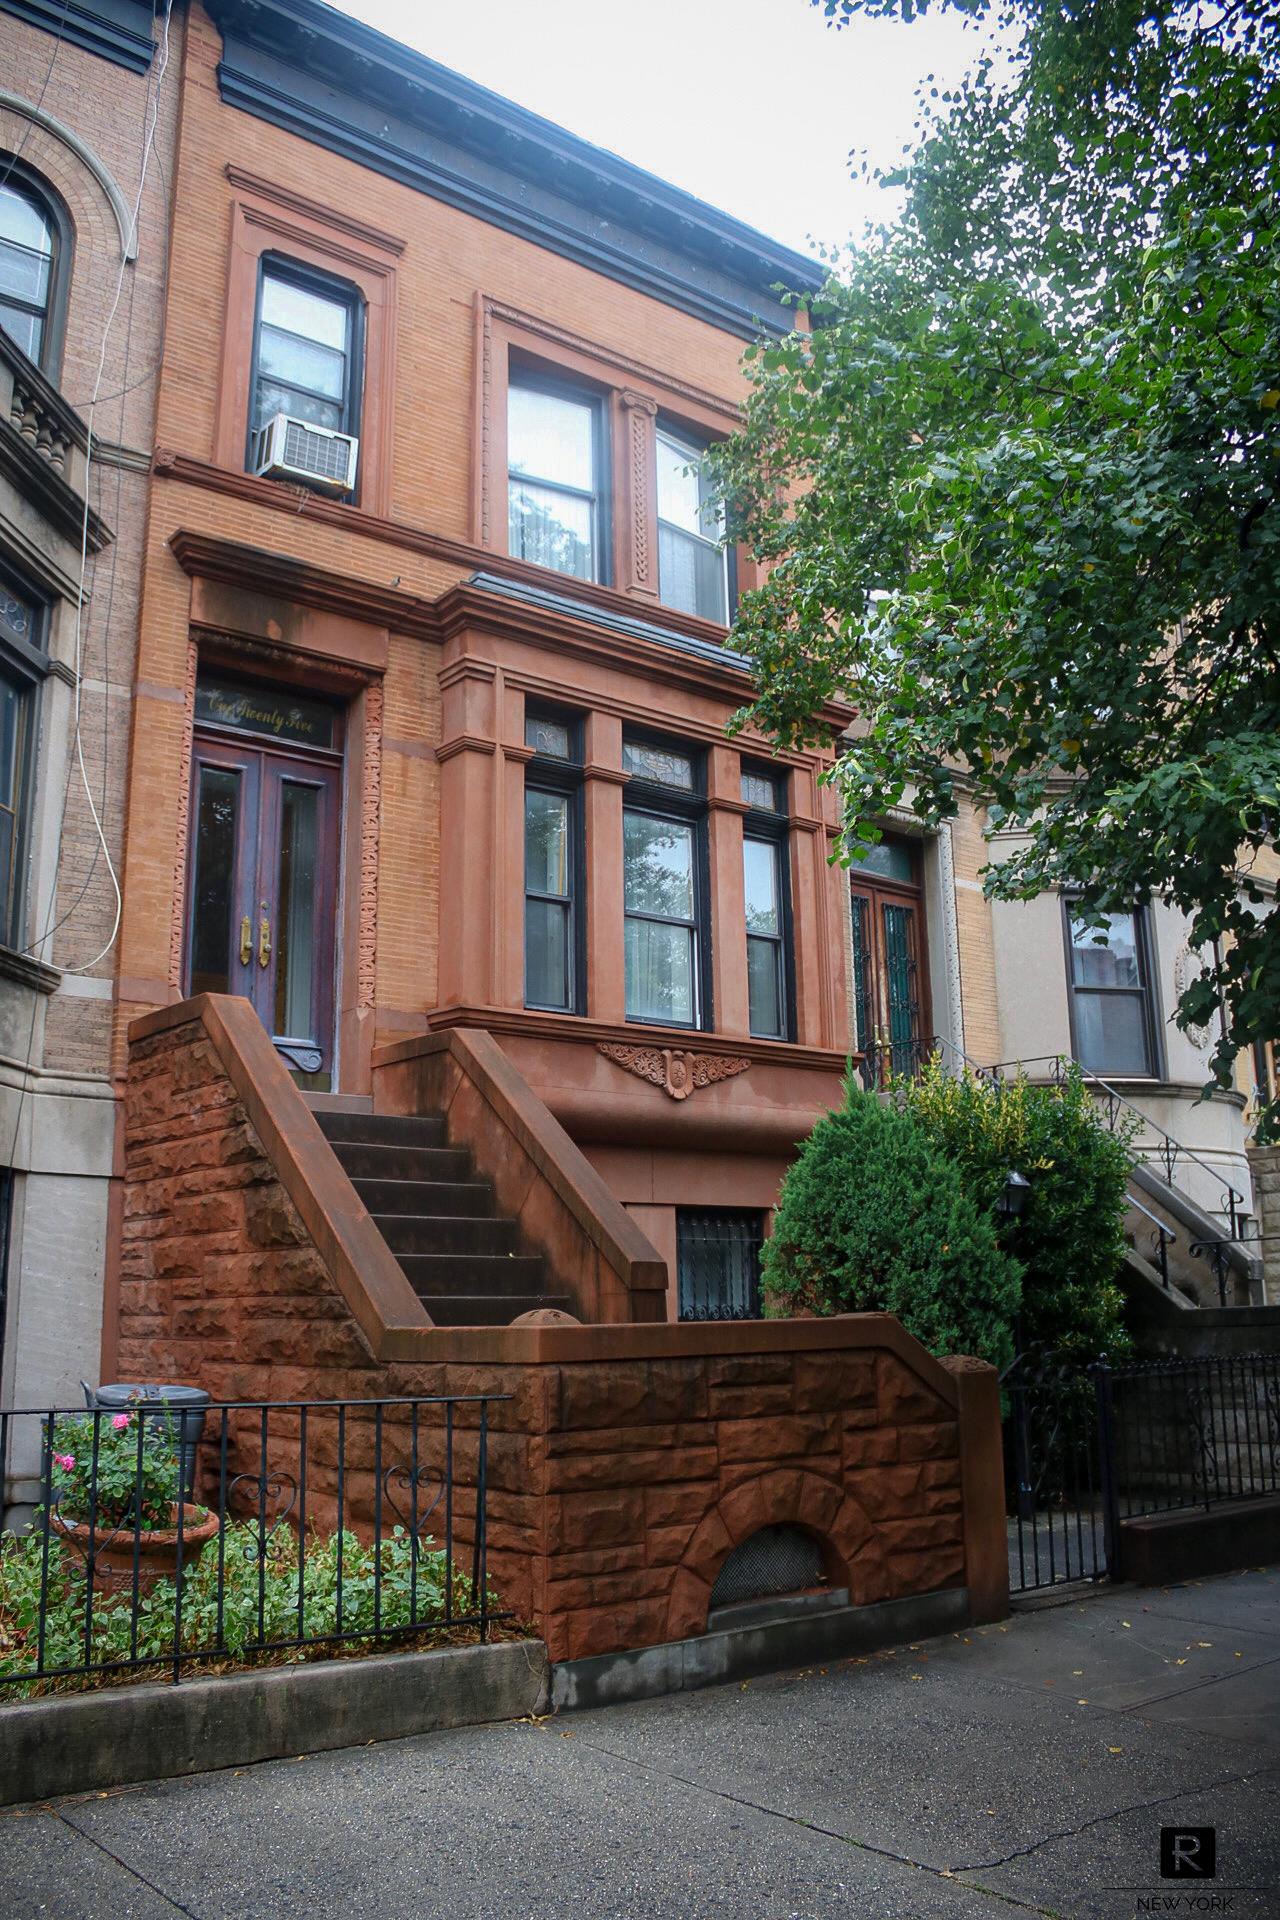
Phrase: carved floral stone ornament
pixel 1187 968
pixel 678 1073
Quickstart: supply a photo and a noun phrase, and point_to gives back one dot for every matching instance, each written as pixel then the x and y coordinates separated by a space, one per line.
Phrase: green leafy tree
pixel 1070 1239
pixel 1017 487
pixel 872 1219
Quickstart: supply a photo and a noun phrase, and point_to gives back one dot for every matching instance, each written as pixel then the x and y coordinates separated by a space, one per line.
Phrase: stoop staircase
pixel 463 1262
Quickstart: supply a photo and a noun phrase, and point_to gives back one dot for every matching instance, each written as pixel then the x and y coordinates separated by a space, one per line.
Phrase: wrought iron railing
pixel 1192 1433
pixel 286 1527
pixel 1162 1150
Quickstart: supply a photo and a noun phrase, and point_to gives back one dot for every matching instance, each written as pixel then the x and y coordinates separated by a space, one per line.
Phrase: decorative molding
pixel 24 970
pixel 1187 968
pixel 464 743
pixel 641 414
pixel 178 921
pixel 643 403
pixel 370 816
pixel 678 1073
pixel 950 933
pixel 468 667
pixel 284 196
pixel 120 209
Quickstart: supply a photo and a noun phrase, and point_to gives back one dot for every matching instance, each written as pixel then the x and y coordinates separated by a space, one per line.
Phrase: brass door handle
pixel 246 941
pixel 264 938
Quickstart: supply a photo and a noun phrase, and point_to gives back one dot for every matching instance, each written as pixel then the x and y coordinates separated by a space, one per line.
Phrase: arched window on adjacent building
pixel 34 258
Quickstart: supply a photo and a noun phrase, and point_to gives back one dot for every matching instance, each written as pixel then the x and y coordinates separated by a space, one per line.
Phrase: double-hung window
pixel 666 948
pixel 764 872
pixel 555 477
pixel 306 360
pixel 1113 1022
pixel 23 664
pixel 33 239
pixel 693 566
pixel 553 921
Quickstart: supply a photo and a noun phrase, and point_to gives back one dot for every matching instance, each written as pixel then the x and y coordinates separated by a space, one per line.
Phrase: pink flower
pixel 120 1422
pixel 66 1461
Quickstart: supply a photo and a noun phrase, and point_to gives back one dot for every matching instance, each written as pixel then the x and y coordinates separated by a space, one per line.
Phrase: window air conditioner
pixel 285 448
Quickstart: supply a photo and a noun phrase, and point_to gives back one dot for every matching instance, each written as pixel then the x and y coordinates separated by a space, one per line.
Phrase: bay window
pixel 555 477
pixel 1113 1024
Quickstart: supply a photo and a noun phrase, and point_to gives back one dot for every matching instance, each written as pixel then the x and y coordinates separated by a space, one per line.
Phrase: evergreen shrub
pixel 872 1218
pixel 1070 1241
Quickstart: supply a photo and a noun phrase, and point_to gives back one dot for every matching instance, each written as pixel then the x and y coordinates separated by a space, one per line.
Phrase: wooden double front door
pixel 263 885
pixel 890 980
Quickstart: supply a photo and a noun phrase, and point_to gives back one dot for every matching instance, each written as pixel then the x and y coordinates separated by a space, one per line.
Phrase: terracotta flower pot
pixel 157 1549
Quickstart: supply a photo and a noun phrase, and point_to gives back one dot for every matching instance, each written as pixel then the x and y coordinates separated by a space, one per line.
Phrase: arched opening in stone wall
pixel 775 1563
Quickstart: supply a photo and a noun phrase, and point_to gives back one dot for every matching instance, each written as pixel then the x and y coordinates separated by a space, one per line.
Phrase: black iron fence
pixel 279 1527
pixel 1087 1448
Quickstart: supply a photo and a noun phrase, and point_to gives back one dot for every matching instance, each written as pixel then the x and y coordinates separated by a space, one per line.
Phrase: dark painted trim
pixel 302 66
pixel 116 30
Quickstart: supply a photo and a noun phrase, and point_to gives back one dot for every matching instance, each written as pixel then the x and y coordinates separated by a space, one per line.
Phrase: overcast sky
pixel 752 104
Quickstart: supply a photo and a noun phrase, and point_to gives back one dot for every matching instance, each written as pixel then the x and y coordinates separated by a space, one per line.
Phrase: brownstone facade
pixel 626 1463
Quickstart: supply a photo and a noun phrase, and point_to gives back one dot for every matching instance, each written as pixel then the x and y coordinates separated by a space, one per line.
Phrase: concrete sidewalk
pixel 1021 1768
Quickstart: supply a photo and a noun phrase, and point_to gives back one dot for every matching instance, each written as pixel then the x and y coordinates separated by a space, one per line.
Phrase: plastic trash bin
pixel 185 1405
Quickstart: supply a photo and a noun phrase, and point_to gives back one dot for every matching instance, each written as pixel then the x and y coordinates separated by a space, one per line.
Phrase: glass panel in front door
pixel 901 992
pixel 295 913
pixel 214 954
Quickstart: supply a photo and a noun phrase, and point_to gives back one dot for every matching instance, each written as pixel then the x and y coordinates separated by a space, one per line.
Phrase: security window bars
pixel 555 468
pixel 306 356
pixel 1112 1015
pixel 28 268
pixel 718 1264
pixel 693 566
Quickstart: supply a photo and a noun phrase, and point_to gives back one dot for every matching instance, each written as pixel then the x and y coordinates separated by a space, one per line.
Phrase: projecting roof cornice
pixel 335 81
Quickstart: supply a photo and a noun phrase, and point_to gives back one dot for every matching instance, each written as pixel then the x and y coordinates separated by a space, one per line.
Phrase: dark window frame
pixel 280 266
pixel 696 1225
pixel 15 173
pixel 534 377
pixel 547 773
pixel 29 665
pixel 684 807
pixel 1147 991
pixel 772 826
pixel 696 441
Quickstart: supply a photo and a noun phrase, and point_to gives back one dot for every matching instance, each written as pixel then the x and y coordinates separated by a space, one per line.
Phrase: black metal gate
pixel 1054 1474
pixel 1089 1447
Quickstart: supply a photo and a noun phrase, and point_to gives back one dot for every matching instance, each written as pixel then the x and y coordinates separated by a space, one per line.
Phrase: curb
pixel 76 1743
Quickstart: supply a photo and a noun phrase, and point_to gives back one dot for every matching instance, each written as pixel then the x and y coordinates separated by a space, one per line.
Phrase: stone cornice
pixel 563 1026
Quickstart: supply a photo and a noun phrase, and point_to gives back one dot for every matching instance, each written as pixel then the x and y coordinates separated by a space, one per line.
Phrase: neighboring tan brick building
pixel 80 89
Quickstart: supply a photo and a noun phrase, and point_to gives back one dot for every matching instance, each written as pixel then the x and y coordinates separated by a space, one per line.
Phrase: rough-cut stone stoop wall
pixel 627 1461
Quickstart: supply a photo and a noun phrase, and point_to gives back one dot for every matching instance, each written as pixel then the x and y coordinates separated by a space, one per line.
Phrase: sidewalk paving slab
pixel 943 1779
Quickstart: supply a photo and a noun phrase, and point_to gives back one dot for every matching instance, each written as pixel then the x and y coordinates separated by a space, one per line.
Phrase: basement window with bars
pixel 718 1264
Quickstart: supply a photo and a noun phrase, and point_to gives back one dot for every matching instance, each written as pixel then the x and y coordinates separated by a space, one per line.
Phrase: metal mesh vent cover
pixel 780 1559
pixel 316 452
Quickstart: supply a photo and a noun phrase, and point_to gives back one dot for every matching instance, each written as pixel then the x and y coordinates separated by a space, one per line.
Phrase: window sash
pixel 643 957
pixel 17 729
pixel 531 482
pixel 341 408
pixel 769 1020
pixel 546 906
pixel 1104 1040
